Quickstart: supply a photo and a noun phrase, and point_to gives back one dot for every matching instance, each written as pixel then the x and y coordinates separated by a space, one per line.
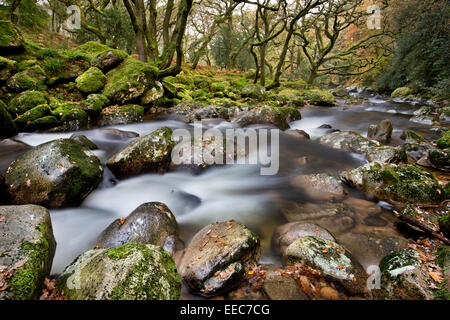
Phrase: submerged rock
pixel 348 141
pixel 151 223
pixel 286 234
pixel 150 153
pixel 128 272
pixel 27 249
pixel 320 186
pixel 333 260
pixel 219 257
pixel 381 132
pixel 402 278
pixel 398 185
pixel 55 174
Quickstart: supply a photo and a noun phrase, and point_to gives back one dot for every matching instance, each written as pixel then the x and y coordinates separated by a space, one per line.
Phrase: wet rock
pixel 27 249
pixel 109 59
pixel 348 141
pixel 7 68
pixel 219 257
pixel 193 113
pixel 117 134
pixel 151 223
pixel 26 100
pixel 150 153
pixel 285 234
pixel 279 117
pixel 72 117
pixel 128 272
pixel 386 154
pixel 91 81
pixel 402 278
pixel 55 174
pixel 363 207
pixel 381 132
pixel 84 141
pixel 277 287
pixel 329 293
pixel 336 217
pixel 298 134
pixel 325 126
pixel 113 115
pixel 93 104
pixel 333 260
pixel 440 159
pixel 414 151
pixel 7 126
pixel 129 81
pixel 412 137
pixel 320 186
pixel 398 185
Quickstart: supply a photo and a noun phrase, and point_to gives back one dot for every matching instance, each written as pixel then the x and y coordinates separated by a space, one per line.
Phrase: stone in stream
pixel 113 115
pixel 336 217
pixel 150 153
pixel 27 247
pixel 398 185
pixel 320 186
pixel 55 174
pixel 285 234
pixel 128 272
pixel 381 132
pixel 403 278
pixel 301 134
pixel 333 260
pixel 116 134
pixel 84 141
pixel 348 141
pixel 151 223
pixel 219 257
pixel 277 116
pixel 386 154
pixel 278 287
pixel 440 159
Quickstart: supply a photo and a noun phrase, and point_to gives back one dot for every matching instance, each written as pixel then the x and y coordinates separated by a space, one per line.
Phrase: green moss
pixel 122 251
pixel 7 126
pixel 94 104
pixel 444 224
pixel 443 260
pixel 90 49
pixel 401 92
pixel 28 280
pixel 26 101
pixel 319 97
pixel 32 115
pixel 444 141
pixel 412 136
pixel 219 86
pixel 398 260
pixel 32 78
pixel 9 36
pixel 91 81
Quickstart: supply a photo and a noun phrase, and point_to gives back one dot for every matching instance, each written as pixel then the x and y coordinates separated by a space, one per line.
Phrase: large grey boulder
pixel 381 132
pixel 55 174
pixel 27 247
pixel 348 141
pixel 219 257
pixel 128 272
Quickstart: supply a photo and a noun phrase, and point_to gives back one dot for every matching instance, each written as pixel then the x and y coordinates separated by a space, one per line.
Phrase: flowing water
pixel 221 193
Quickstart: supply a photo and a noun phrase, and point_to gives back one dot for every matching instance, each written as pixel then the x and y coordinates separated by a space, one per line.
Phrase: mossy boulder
pixel 398 185
pixel 11 41
pixel 129 81
pixel 55 174
pixel 91 81
pixel 7 126
pixel 401 92
pixel 128 272
pixel 109 59
pixel 253 91
pixel 444 141
pixel 72 117
pixel 348 141
pixel 26 100
pixel 291 97
pixel 277 116
pixel 84 141
pixel 94 104
pixel 90 50
pixel 32 78
pixel 149 153
pixel 333 260
pixel 402 278
pixel 319 97
pixel 440 158
pixel 27 249
pixel 219 258
pixel 444 224
pixel 150 223
pixel 112 115
pixel 7 68
pixel 152 94
pixel 386 154
pixel 22 122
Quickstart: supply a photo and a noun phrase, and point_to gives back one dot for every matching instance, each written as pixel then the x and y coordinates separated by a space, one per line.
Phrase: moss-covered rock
pixel 128 272
pixel 277 116
pixel 291 97
pixel 333 260
pixel 31 115
pixel 7 126
pixel 109 59
pixel 84 141
pixel 55 174
pixel 386 154
pixel 402 278
pixel 319 97
pixel 401 92
pixel 254 91
pixel 7 68
pixel 212 267
pixel 150 153
pixel 93 104
pixel 444 224
pixel 150 223
pixel 26 100
pixel 129 81
pixel 92 81
pixel 72 117
pixel 27 247
pixel 411 136
pixel 398 185
pixel 440 158
pixel 444 141
pixel 11 40
pixel 130 113
pixel 91 50
pixel 32 78
pixel 152 94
